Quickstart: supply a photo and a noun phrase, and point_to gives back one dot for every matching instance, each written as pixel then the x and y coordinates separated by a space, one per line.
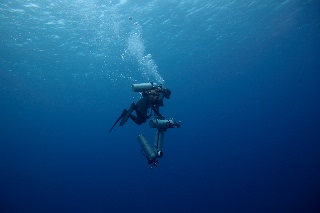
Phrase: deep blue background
pixel 245 83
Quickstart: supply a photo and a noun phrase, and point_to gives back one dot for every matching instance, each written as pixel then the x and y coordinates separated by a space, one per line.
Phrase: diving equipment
pixel 164 123
pixel 158 142
pixel 120 117
pixel 149 153
pixel 144 87
pixel 126 116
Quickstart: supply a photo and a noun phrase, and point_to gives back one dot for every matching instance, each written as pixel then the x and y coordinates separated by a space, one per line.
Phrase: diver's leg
pixel 136 119
pixel 141 116
pixel 139 119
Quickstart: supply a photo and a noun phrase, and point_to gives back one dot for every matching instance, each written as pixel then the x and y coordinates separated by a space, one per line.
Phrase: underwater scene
pixel 214 106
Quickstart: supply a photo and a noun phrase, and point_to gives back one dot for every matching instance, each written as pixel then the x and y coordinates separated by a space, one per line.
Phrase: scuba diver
pixel 152 97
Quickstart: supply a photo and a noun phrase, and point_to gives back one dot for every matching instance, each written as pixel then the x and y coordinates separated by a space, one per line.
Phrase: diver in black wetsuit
pixel 153 99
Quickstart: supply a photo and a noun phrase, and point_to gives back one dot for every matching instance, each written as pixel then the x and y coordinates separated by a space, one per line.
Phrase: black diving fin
pixel 124 116
pixel 121 116
pixel 127 115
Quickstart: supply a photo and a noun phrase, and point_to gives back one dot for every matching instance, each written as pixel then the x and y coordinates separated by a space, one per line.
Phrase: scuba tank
pixel 143 87
pixel 158 142
pixel 149 153
pixel 164 123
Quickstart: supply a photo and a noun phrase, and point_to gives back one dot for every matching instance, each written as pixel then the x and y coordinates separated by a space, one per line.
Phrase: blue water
pixel 245 83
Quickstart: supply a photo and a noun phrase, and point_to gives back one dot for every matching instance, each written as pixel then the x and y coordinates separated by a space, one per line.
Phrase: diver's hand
pixel 177 124
pixel 161 117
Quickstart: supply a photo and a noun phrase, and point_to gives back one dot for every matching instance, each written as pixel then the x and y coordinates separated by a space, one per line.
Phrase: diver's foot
pixel 126 114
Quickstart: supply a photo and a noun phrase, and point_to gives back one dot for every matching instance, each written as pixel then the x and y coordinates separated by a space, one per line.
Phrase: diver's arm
pixel 154 104
pixel 156 111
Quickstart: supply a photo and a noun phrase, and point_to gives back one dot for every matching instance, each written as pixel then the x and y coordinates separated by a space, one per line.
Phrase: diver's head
pixel 166 93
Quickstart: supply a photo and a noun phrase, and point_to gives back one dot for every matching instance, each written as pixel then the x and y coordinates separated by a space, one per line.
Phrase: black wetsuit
pixel 142 106
pixel 148 100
